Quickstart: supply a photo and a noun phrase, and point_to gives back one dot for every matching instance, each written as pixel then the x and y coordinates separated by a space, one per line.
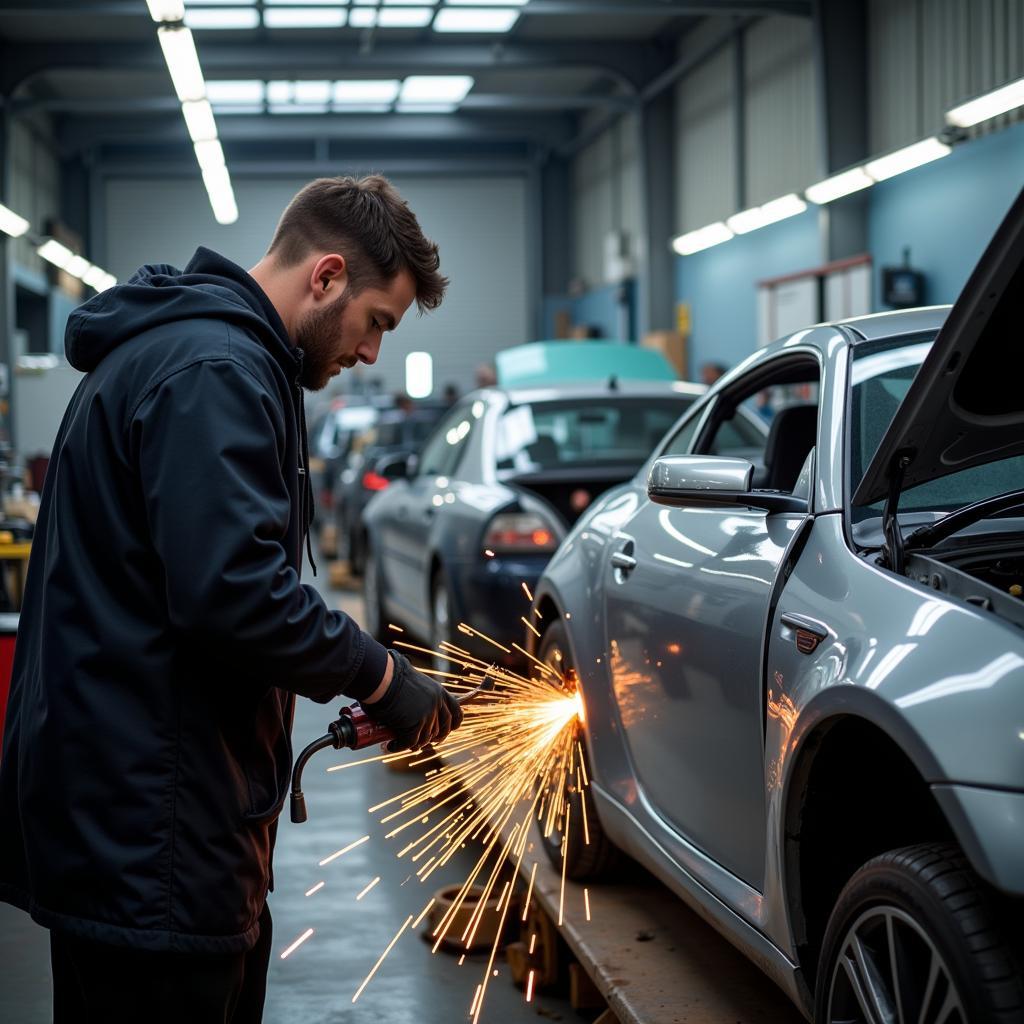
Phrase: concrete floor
pixel 317 982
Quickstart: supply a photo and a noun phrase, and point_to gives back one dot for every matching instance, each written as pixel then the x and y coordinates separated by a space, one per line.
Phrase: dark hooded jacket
pixel 164 631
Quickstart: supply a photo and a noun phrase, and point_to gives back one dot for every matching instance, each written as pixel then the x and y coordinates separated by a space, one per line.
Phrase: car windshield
pixel 596 432
pixel 882 374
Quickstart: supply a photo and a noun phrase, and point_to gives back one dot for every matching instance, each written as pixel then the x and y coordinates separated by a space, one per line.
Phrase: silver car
pixel 803 672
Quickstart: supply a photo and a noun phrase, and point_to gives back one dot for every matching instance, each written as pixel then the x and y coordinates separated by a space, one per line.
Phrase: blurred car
pixel 504 475
pixel 804 685
pixel 370 466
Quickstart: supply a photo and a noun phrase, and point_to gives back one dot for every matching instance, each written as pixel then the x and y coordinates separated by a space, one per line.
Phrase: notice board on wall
pixel 834 291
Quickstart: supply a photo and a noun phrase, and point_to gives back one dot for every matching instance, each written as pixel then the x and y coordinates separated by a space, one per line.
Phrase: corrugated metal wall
pixel 606 196
pixel 781 109
pixel 35 184
pixel 925 56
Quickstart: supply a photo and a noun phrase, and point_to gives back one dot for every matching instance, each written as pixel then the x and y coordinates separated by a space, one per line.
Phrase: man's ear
pixel 330 276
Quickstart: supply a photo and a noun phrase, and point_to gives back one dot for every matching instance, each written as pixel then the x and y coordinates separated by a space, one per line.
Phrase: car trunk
pixel 570 492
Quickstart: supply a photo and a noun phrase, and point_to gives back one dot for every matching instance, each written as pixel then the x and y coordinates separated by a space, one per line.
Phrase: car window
pixel 679 443
pixel 603 430
pixel 442 453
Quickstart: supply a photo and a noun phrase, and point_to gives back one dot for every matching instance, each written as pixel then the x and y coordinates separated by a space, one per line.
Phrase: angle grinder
pixel 355 730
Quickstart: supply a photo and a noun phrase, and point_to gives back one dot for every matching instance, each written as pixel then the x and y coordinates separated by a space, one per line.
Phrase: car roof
pixel 593 389
pixel 894 323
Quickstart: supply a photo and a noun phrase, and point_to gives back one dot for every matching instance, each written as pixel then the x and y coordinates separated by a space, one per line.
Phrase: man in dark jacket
pixel 165 631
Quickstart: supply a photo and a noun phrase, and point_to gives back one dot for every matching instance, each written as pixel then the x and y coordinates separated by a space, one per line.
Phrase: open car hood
pixel 965 407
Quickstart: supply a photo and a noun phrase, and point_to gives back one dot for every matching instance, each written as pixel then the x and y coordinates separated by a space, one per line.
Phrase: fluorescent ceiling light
pixel 78 266
pixel 279 92
pixel 367 91
pixel 183 63
pixel 11 224
pixel 166 10
pixel 227 18
pixel 746 220
pixel 94 276
pixel 225 3
pixel 222 196
pixel 237 108
pixel 302 3
pixel 404 17
pixel 298 108
pixel 361 108
pixel 999 101
pixel 419 374
pixel 427 108
pixel 839 185
pixel 362 17
pixel 500 19
pixel 436 88
pixel 906 159
pixel 247 91
pixel 486 3
pixel 199 120
pixel 53 252
pixel 312 92
pixel 702 238
pixel 209 154
pixel 304 17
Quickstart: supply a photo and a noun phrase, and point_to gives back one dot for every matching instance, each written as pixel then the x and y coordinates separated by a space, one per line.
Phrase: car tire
pixel 374 618
pixel 441 626
pixel 598 858
pixel 915 930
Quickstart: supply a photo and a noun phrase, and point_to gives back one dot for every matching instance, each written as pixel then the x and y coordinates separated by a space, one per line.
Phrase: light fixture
pixel 312 92
pixel 436 88
pixel 209 154
pixel 426 108
pixel 366 91
pixel 222 196
pixel 361 108
pixel 906 159
pixel 11 224
pixel 53 252
pixel 79 266
pixel 702 238
pixel 280 92
pixel 183 63
pixel 999 101
pixel 362 17
pixel 486 3
pixel 304 17
pixel 498 19
pixel 238 109
pixel 166 10
pixel 199 120
pixel 94 276
pixel 419 374
pixel 746 220
pixel 236 91
pixel 839 185
pixel 237 18
pixel 404 17
pixel 298 108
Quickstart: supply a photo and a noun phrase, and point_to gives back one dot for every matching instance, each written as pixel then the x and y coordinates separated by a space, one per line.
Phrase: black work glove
pixel 415 708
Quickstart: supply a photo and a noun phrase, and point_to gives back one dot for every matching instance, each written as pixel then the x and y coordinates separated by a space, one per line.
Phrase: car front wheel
pixel 373 616
pixel 917 937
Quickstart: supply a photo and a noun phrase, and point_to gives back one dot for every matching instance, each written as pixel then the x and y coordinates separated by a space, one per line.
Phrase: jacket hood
pixel 210 287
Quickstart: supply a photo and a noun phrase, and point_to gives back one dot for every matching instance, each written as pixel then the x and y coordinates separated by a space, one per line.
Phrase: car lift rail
pixel 652 958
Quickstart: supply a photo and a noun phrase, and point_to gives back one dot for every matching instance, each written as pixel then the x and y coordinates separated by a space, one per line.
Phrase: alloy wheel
pixel 889 971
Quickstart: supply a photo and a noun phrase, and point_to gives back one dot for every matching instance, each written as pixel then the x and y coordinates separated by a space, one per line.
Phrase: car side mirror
pixel 687 481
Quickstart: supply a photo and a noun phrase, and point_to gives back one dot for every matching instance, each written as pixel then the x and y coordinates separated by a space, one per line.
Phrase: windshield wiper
pixel 927 536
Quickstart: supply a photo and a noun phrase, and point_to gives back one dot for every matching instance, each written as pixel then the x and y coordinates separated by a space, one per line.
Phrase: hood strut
pixel 892 549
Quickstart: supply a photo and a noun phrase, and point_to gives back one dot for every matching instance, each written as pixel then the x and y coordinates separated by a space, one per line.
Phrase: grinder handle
pixel 365 731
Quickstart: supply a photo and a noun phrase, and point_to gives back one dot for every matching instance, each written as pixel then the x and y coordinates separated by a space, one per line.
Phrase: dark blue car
pixel 494 490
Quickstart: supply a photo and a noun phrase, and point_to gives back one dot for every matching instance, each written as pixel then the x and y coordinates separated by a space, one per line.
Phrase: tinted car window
pixel 441 454
pixel 597 431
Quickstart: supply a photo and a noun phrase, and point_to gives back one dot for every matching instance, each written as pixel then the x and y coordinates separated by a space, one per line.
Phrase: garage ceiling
pixel 96 67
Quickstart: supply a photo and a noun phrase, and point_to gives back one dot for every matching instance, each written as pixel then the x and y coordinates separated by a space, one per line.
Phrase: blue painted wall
pixel 720 284
pixel 946 211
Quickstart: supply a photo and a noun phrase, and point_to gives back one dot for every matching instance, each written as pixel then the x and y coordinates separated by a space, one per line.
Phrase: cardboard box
pixel 672 345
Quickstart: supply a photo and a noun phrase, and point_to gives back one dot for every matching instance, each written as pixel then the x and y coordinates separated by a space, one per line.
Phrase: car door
pixel 412 516
pixel 687 594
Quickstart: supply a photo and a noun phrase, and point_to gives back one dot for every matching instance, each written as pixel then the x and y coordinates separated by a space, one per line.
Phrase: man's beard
pixel 319 335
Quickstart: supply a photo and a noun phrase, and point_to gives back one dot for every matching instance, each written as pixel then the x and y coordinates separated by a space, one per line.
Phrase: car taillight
pixel 374 481
pixel 521 532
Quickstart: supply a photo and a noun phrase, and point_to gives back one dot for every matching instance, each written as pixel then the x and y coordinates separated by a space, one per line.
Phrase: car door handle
pixel 622 561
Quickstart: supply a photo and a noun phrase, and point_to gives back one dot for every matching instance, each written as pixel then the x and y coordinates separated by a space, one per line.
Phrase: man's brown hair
pixel 367 222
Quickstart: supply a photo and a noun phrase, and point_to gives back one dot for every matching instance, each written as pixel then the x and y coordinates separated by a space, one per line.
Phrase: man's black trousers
pixel 94 983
